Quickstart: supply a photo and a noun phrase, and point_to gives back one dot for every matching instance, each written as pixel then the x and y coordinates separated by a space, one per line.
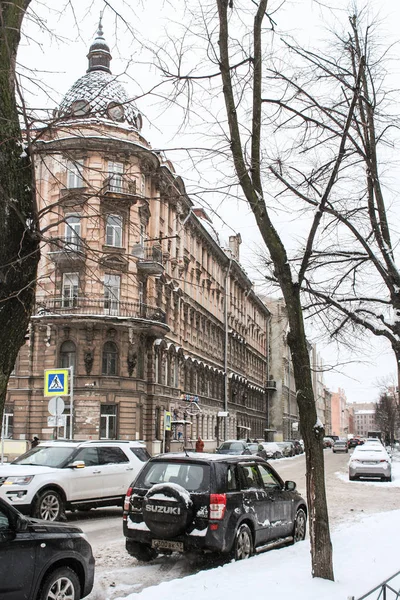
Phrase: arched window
pixel 67 355
pixel 110 359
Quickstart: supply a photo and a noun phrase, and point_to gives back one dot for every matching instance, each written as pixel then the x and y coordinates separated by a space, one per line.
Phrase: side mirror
pixel 77 464
pixel 290 486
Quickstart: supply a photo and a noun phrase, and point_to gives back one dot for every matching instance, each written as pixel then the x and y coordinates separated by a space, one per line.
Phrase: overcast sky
pixel 58 60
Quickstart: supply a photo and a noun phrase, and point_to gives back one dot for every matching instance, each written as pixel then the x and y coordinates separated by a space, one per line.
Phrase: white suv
pixel 67 475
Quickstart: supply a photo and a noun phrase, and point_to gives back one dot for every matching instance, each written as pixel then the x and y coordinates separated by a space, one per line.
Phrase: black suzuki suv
pixel 235 505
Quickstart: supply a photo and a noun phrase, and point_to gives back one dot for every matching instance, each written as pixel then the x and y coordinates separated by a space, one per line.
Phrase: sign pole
pixel 71 404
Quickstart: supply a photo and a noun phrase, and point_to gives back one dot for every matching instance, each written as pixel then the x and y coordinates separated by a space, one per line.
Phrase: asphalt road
pixel 115 569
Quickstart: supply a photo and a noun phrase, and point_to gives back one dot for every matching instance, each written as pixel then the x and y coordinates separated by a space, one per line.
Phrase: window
pixel 250 477
pixel 67 355
pixel 269 480
pixel 112 455
pixel 114 231
pixel 8 422
pixel 73 232
pixel 115 174
pixel 110 359
pixel 142 184
pixel 108 422
pixel 70 290
pixel 89 456
pixel 75 174
pixel 112 285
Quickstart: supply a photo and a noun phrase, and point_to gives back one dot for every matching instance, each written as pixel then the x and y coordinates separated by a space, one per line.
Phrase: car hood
pixel 40 526
pixel 11 470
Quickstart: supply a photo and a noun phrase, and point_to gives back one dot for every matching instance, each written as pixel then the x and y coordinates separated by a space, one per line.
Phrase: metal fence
pixel 387 590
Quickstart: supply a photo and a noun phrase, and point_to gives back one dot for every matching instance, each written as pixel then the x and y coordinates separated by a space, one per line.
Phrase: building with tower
pixel 134 292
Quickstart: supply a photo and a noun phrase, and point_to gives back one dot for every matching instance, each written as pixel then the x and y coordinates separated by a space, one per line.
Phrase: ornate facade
pixel 134 291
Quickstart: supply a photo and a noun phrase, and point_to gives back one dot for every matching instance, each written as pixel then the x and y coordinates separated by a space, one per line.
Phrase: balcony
pixel 150 259
pixel 98 307
pixel 270 385
pixel 67 251
pixel 122 187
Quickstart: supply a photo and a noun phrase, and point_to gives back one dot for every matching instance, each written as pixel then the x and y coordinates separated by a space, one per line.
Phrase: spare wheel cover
pixel 167 510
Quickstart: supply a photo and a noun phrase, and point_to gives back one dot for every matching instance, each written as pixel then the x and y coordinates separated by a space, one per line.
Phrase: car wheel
pixel 352 477
pixel 140 551
pixel 300 526
pixel 243 545
pixel 61 583
pixel 388 478
pixel 49 506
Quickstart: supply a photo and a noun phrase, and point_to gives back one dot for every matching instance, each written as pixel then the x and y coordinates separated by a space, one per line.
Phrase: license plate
pixel 369 463
pixel 167 545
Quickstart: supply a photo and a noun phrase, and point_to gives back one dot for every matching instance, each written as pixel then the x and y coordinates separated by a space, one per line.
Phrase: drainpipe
pixel 227 292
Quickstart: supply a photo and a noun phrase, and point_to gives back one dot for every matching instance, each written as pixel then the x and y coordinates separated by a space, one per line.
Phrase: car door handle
pixel 97 471
pixel 129 468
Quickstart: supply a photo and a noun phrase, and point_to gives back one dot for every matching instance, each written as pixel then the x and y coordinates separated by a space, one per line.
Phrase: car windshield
pixel 46 456
pixel 192 477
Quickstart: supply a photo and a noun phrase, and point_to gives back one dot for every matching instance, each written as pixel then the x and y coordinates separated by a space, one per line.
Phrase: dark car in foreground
pixel 231 505
pixel 42 560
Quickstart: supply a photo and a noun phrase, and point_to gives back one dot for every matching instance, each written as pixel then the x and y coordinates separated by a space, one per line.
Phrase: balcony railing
pixel 67 249
pixel 117 183
pixel 81 305
pixel 150 259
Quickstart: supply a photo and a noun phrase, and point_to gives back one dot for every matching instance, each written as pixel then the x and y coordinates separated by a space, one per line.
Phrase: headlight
pixel 19 480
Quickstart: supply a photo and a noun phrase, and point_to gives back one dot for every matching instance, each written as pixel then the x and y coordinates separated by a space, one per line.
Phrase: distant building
pixel 364 418
pixel 340 424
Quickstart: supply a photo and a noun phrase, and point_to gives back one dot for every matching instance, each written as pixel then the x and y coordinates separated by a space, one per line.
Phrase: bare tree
pixel 238 62
pixel 353 282
pixel 387 417
pixel 19 239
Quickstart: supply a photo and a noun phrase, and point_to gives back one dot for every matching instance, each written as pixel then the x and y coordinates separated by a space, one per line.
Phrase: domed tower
pixel 98 94
pixel 97 305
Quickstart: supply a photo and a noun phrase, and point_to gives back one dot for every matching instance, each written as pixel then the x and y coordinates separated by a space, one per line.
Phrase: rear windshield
pixel 141 453
pixel 231 446
pixel 192 477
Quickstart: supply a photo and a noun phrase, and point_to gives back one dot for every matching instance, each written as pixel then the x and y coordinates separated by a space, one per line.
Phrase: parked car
pixel 354 442
pixel 63 475
pixel 41 560
pixel 370 460
pixel 328 442
pixel 234 505
pixel 298 448
pixel 258 449
pixel 340 446
pixel 286 448
pixel 272 450
pixel 233 447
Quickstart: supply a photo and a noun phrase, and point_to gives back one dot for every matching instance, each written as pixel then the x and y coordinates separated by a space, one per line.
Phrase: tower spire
pixel 99 53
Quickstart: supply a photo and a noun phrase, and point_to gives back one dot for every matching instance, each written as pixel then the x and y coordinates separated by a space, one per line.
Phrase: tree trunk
pixel 312 432
pixel 19 242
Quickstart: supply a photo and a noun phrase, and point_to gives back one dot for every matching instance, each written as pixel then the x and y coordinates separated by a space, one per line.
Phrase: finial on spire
pixel 100 28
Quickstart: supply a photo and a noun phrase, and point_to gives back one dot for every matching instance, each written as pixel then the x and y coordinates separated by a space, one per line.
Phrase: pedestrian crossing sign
pixel 56 382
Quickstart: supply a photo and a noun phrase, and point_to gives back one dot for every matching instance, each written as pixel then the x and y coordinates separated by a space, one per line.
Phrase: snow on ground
pixel 365 552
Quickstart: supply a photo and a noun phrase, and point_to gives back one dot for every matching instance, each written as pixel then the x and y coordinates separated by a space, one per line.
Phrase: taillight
pixel 127 498
pixel 217 506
